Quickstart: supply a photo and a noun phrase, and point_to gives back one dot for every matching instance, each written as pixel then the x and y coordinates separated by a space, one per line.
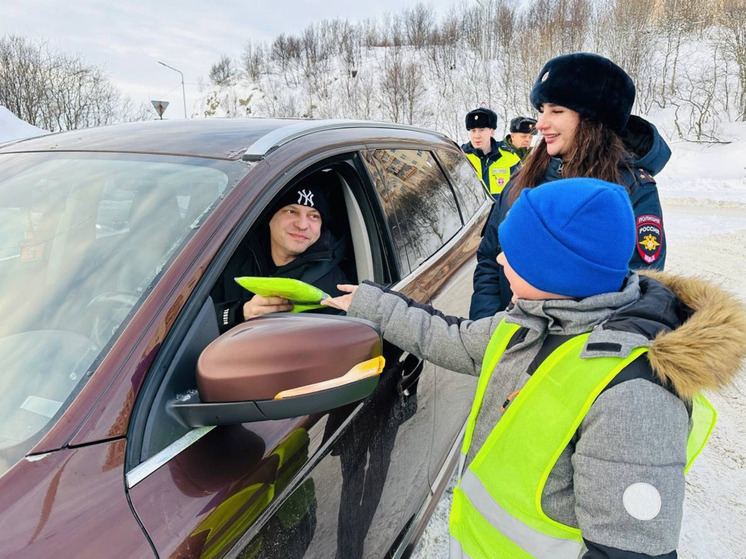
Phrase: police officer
pixel 587 130
pixel 494 162
pixel 522 131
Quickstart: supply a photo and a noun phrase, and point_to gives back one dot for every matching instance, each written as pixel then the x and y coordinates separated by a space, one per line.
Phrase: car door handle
pixel 411 368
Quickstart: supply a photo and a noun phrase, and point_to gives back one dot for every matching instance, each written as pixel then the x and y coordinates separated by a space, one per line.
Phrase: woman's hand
pixel 259 305
pixel 343 301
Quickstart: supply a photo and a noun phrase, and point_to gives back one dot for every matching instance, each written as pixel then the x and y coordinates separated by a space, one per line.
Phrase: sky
pixel 128 39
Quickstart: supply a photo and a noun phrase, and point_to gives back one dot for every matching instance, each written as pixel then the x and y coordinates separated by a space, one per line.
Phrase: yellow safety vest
pixel 496 509
pixel 498 171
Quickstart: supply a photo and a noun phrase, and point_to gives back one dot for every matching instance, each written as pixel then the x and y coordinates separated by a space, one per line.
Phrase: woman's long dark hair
pixel 596 152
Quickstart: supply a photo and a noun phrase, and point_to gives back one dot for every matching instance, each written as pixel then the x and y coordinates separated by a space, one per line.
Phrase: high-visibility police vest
pixel 496 509
pixel 497 174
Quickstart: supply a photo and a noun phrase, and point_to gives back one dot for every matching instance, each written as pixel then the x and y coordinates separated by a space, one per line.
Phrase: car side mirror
pixel 280 366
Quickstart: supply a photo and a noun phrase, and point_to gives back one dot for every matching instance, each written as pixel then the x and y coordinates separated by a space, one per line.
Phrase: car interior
pixel 349 206
pixel 79 250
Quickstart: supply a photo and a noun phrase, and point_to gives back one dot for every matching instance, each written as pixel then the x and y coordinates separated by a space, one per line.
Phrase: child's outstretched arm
pixel 343 301
pixel 455 343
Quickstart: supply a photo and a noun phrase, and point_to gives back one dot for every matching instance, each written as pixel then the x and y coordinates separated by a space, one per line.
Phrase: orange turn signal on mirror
pixel 369 368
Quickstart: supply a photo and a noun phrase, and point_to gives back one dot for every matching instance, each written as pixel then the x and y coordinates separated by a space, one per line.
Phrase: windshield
pixel 82 238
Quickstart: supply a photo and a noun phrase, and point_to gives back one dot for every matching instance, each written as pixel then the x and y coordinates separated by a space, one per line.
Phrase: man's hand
pixel 259 305
pixel 343 301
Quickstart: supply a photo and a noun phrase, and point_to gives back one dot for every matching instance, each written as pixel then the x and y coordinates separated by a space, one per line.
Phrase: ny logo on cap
pixel 305 198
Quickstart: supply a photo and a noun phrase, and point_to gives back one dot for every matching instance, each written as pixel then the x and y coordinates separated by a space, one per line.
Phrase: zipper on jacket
pixel 506 403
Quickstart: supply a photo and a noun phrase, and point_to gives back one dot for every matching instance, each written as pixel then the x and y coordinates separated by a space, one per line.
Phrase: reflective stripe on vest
pixel 498 172
pixel 496 509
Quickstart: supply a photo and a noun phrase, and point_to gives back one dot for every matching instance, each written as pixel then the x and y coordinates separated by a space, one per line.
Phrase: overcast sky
pixel 128 38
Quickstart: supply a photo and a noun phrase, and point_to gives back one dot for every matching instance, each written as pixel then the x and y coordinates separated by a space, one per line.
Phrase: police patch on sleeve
pixel 649 237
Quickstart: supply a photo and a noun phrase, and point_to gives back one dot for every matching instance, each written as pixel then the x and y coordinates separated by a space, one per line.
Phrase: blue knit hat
pixel 571 237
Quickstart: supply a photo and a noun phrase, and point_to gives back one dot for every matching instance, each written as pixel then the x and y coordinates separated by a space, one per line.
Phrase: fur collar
pixel 708 349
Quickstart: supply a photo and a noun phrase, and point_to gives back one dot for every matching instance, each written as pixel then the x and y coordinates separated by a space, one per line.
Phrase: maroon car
pixel 130 427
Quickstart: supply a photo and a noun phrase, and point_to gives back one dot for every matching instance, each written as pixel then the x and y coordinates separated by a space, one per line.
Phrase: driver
pixel 294 244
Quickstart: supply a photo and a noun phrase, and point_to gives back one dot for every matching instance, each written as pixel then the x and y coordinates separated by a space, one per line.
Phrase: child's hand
pixel 343 301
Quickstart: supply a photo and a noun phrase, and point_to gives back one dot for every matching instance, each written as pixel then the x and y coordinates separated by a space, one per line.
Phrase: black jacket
pixel 319 266
pixel 648 154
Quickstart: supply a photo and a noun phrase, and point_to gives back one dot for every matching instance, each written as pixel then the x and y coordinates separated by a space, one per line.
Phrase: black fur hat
pixel 523 125
pixel 590 84
pixel 481 118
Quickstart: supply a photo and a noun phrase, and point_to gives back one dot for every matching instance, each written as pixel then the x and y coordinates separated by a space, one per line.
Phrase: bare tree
pixel 418 25
pixel 503 24
pixel 254 59
pixel 58 92
pixel 392 88
pixel 285 51
pixel 223 72
pixel 413 84
pixel 624 31
pixel 24 78
pixel 731 19
pixel 677 20
pixel 697 104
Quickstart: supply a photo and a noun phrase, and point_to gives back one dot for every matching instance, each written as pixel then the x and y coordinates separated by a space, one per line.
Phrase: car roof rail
pixel 281 136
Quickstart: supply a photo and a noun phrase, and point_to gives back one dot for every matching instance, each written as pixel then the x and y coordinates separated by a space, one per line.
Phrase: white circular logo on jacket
pixel 642 501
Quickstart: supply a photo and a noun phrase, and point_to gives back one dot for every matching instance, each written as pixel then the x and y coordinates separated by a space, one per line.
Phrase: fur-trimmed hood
pixel 706 350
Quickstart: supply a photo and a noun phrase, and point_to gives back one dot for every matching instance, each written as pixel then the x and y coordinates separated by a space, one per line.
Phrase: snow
pixel 13 128
pixel 703 194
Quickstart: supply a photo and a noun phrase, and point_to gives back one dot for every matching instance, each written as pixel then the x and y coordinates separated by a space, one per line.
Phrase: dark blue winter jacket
pixel 648 154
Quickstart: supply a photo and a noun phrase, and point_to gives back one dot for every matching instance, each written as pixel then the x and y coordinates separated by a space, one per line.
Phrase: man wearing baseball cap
pixel 294 243
pixel 494 162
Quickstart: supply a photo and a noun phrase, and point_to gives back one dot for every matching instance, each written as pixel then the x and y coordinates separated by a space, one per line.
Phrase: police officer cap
pixel 481 118
pixel 523 125
pixel 589 84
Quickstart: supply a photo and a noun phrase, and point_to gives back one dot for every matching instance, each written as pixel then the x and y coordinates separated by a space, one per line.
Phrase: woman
pixel 585 101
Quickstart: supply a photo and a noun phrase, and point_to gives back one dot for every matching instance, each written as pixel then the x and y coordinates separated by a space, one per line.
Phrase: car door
pixel 440 229
pixel 343 483
pixel 449 284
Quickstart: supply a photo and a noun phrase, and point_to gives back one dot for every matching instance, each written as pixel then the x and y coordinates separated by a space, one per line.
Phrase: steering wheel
pixel 109 309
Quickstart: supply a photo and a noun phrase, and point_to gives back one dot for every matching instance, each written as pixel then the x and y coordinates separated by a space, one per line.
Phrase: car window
pixel 386 199
pixel 81 240
pixel 418 194
pixel 351 250
pixel 470 191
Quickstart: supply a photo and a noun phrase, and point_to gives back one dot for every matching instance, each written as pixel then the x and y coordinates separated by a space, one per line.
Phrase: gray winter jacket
pixel 634 437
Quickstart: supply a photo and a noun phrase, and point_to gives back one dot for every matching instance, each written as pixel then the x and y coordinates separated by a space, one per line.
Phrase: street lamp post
pixel 183 91
pixel 484 29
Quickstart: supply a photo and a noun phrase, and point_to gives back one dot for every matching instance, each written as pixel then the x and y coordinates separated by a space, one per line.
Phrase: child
pixel 587 412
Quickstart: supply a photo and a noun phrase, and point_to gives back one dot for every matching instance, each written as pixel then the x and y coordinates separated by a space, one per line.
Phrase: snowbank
pixel 13 128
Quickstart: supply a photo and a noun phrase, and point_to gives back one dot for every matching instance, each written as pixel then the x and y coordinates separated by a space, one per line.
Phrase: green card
pixel 302 295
